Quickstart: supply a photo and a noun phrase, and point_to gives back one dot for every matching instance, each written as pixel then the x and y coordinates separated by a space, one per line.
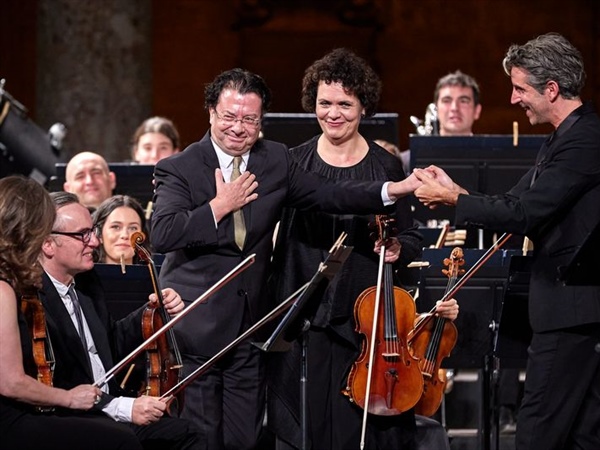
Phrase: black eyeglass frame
pixel 84 236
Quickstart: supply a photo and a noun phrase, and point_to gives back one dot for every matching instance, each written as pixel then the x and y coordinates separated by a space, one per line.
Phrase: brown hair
pixel 156 124
pixel 26 218
pixel 105 209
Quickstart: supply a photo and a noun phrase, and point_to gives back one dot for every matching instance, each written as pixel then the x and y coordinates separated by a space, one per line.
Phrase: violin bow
pixel 277 311
pixel 459 284
pixel 218 285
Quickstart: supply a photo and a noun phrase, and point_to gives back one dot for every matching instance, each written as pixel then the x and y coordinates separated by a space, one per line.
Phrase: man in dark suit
pixel 215 203
pixel 84 338
pixel 556 205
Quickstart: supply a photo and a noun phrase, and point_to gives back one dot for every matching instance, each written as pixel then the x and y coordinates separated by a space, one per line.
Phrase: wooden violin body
pixel 33 310
pixel 43 355
pixel 162 368
pixel 434 342
pixel 396 383
pixel 431 354
pixel 385 379
pixel 163 360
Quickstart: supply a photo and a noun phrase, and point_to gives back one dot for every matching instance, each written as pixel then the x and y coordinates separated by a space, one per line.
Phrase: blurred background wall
pixel 102 66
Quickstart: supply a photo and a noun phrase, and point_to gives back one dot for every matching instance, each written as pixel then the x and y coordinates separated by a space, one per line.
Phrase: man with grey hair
pixel 87 341
pixel 555 204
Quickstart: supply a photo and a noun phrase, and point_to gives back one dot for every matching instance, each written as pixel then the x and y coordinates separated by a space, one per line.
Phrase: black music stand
pixel 480 305
pixel 581 270
pixel 124 292
pixel 513 334
pixel 297 320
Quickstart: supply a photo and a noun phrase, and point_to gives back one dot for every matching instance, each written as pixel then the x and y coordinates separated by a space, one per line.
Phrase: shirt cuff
pixel 385 198
pixel 120 409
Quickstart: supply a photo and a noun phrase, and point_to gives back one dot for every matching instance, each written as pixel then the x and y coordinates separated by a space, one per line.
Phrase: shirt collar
pixel 60 287
pixel 226 161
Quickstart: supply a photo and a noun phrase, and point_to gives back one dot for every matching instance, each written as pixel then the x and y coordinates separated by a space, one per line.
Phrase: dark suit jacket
pixel 557 213
pixel 112 339
pixel 199 254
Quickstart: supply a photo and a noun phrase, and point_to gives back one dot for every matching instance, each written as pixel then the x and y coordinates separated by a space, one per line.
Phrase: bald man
pixel 89 177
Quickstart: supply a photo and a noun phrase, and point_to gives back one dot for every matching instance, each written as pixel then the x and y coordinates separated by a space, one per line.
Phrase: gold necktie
pixel 238 216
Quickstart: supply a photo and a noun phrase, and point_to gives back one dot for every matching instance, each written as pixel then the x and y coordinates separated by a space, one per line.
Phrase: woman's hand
pixel 392 249
pixel 447 309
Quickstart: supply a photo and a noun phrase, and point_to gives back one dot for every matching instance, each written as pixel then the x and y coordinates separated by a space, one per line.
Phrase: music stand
pixel 124 292
pixel 307 303
pixel 296 322
pixel 513 334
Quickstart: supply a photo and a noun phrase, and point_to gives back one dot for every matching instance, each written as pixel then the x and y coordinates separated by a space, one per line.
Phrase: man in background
pixel 88 176
pixel 457 99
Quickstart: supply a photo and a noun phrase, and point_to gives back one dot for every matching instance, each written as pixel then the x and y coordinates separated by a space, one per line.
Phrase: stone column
pixel 94 72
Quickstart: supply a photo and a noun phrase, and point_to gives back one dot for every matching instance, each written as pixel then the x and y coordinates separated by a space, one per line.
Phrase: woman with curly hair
pixel 26 218
pixel 341 89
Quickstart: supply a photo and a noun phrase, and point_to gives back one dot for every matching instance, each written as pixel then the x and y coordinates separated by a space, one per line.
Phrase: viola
pixel 434 342
pixel 163 359
pixel 385 380
pixel 43 355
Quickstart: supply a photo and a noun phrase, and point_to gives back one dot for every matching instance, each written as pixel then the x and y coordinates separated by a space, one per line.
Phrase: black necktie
pixel 79 318
pixel 238 216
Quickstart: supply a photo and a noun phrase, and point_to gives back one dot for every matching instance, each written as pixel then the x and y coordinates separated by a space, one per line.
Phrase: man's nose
pixel 94 241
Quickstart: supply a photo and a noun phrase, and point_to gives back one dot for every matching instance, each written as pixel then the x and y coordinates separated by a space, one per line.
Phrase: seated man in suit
pixel 85 338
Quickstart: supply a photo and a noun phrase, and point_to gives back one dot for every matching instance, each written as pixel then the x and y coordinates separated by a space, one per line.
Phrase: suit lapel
pixel 256 165
pixel 56 312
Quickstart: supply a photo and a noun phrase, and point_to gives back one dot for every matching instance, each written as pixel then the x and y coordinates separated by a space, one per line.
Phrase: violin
pixel 385 380
pixel 43 355
pixel 164 363
pixel 434 342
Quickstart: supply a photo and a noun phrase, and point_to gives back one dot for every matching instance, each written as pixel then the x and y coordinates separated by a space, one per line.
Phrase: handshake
pixel 432 186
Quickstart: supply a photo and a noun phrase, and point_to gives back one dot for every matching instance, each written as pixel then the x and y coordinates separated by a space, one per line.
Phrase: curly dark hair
pixel 105 209
pixel 26 218
pixel 351 71
pixel 240 80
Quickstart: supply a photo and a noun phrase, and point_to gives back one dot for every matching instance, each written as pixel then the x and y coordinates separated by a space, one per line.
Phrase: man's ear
pixel 113 180
pixel 48 247
pixel 477 112
pixel 552 90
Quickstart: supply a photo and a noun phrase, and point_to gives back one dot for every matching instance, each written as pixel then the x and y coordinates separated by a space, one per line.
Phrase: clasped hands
pixel 435 187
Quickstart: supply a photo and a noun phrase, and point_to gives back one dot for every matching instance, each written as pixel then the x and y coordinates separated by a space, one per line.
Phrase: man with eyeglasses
pixel 84 337
pixel 215 203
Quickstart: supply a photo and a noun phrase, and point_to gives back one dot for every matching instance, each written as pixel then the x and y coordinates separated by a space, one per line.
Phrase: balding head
pixel 88 177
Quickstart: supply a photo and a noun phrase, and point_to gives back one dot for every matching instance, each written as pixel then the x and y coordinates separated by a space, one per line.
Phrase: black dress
pixel 303 242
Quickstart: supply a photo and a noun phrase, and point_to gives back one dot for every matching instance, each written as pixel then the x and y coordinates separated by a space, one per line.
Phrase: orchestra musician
pixel 71 289
pixel 199 211
pixel 340 88
pixel 555 204
pixel 26 219
pixel 115 220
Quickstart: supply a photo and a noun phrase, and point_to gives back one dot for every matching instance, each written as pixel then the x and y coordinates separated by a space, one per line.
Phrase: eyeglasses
pixel 84 236
pixel 230 119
